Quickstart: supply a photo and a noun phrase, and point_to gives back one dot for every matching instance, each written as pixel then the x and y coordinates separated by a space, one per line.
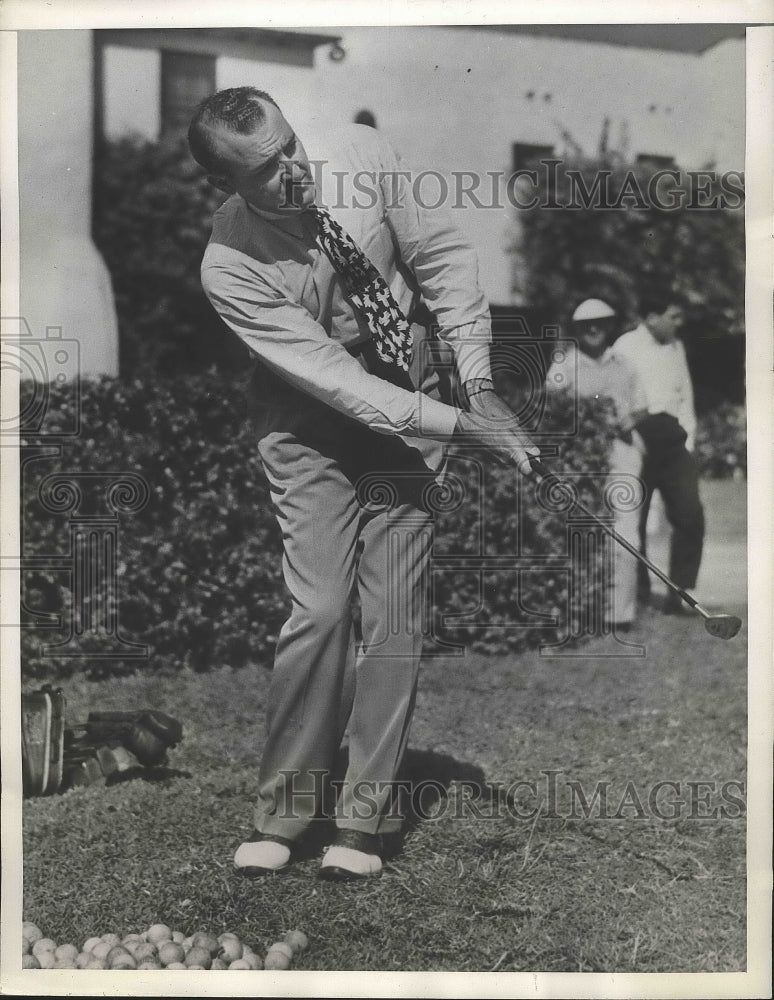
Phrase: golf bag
pixel 42 727
pixel 55 756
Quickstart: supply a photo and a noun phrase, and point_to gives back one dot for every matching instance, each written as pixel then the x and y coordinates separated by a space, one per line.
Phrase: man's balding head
pixel 243 141
pixel 241 110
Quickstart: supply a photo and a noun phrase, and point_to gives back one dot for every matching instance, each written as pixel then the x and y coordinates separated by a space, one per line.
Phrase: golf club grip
pixel 539 467
pixel 544 472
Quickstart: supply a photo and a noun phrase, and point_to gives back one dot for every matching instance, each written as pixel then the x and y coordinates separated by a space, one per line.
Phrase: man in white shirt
pixel 669 433
pixel 339 427
pixel 590 370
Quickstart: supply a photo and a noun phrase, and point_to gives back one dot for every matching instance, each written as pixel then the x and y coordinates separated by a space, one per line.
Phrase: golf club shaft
pixel 544 473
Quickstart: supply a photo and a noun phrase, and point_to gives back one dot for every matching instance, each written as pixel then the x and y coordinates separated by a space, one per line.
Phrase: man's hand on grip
pixel 492 424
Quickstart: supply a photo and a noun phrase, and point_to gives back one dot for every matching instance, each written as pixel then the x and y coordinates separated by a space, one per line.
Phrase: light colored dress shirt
pixel 609 375
pixel 664 374
pixel 274 287
pixel 613 377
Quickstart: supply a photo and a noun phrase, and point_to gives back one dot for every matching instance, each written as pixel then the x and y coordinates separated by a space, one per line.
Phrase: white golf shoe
pixel 352 855
pixel 262 854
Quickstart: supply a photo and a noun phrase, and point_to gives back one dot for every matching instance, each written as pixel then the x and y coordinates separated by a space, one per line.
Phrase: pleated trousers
pixel 355 509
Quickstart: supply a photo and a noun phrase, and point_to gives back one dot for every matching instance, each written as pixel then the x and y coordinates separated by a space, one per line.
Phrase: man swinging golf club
pixel 345 392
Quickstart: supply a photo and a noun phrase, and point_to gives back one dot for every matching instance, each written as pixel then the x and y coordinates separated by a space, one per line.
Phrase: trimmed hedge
pixel 199 569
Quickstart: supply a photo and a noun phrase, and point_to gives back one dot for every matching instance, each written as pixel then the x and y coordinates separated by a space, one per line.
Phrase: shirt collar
pixel 646 330
pixel 296 225
pixel 278 217
pixel 270 216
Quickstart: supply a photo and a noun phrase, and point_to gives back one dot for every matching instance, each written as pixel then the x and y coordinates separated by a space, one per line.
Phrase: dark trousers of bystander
pixel 674 473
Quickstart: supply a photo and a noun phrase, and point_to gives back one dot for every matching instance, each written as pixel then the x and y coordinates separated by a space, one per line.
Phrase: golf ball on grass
pixel 43 945
pixel 197 956
pixel 159 947
pixel 251 960
pixel 283 948
pixel 275 960
pixel 207 941
pixel 31 932
pixel 297 940
pixel 66 953
pixel 157 933
pixel 230 949
pixel 120 958
pixel 170 953
pixel 144 951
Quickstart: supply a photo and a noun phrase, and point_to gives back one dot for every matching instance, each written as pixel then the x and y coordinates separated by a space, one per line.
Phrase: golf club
pixel 720 626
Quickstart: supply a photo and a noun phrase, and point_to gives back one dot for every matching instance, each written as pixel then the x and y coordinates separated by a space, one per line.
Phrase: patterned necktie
pixel 366 289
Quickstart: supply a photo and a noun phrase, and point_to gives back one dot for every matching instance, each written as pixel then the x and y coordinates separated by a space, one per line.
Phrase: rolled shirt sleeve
pixel 285 337
pixel 687 414
pixel 632 400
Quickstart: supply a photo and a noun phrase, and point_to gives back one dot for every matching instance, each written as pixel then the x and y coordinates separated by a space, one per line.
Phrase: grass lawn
pixel 544 893
pixel 517 883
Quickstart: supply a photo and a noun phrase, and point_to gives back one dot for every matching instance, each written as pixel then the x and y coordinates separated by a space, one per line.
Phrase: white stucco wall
pixel 131 91
pixel 64 282
pixel 720 99
pixel 455 99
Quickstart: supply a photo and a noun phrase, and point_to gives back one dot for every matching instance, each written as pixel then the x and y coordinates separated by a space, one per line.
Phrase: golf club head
pixel 723 626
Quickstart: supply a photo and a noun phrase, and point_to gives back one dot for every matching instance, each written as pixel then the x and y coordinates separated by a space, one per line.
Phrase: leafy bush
pixel 522 537
pixel 198 565
pixel 721 442
pixel 697 254
pixel 152 219
pixel 694 250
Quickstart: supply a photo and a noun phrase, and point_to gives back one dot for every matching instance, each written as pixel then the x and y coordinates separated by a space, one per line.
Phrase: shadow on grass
pixel 424 780
pixel 151 775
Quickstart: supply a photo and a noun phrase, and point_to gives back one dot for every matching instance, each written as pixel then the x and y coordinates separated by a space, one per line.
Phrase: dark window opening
pixel 526 154
pixel 365 117
pixel 654 161
pixel 186 79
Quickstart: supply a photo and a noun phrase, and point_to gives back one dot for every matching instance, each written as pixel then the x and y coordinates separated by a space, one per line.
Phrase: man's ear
pixel 221 183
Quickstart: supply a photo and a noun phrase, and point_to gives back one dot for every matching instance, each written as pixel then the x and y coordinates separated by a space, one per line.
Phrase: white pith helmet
pixel 592 309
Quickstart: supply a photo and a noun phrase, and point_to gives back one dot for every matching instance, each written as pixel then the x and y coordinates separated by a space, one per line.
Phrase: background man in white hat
pixel 590 369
